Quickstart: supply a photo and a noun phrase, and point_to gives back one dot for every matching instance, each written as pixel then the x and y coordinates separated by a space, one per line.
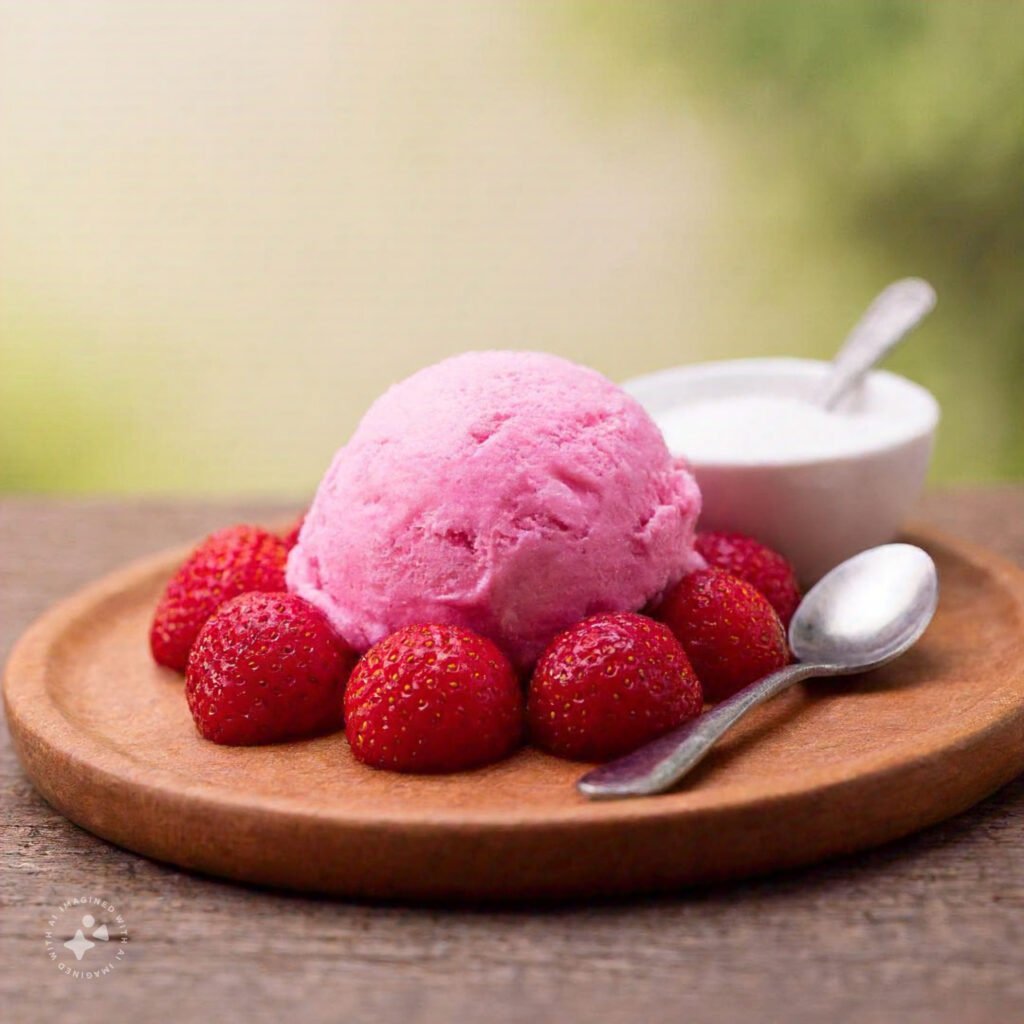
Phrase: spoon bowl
pixel 867 611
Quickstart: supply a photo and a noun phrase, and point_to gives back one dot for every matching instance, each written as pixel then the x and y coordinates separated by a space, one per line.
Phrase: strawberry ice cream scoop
pixel 512 493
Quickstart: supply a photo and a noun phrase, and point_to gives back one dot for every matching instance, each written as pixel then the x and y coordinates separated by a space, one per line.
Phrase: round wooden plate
pixel 827 768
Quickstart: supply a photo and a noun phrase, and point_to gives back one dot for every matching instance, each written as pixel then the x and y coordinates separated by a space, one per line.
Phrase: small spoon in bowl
pixel 866 612
pixel 896 311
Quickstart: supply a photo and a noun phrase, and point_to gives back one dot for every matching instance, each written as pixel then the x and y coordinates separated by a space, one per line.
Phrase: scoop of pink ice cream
pixel 512 493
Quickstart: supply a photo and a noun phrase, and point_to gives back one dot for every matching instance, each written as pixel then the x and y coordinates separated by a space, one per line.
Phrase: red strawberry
pixel 608 685
pixel 758 565
pixel 291 535
pixel 433 699
pixel 227 563
pixel 266 668
pixel 727 627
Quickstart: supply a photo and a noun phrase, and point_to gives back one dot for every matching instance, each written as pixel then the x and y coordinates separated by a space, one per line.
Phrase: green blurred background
pixel 227 227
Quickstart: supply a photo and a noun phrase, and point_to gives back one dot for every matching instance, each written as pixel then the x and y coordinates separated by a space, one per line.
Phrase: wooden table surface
pixel 929 929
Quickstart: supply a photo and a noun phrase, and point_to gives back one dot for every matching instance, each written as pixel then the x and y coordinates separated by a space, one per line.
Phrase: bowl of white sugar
pixel 817 485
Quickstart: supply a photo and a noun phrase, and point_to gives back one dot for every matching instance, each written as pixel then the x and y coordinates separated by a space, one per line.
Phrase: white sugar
pixel 755 428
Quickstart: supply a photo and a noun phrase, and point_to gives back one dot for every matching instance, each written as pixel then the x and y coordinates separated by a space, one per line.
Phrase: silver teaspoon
pixel 895 312
pixel 864 613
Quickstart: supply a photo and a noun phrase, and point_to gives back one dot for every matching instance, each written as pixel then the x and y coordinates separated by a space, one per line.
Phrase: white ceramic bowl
pixel 817 511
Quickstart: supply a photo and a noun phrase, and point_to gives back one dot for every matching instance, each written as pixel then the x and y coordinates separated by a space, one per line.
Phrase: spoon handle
pixel 658 765
pixel 896 311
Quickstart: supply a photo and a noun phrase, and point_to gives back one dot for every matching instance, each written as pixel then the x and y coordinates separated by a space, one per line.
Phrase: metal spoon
pixel 864 613
pixel 895 312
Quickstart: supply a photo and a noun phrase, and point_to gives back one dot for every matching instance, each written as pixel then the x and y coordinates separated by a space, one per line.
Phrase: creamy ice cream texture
pixel 512 493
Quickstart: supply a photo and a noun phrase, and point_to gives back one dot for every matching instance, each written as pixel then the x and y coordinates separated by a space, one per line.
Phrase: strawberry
pixel 433 699
pixel 608 685
pixel 227 563
pixel 291 535
pixel 266 668
pixel 727 627
pixel 757 564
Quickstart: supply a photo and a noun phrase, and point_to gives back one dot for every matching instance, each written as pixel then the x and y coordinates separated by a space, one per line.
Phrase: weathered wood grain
pixel 929 929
